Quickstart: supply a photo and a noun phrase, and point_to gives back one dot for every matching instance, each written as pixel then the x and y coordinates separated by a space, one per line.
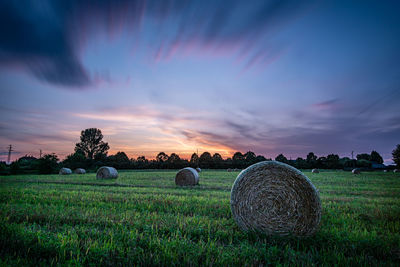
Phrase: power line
pixel 9 153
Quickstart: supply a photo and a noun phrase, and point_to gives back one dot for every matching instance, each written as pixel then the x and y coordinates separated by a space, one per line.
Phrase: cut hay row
pixel 277 199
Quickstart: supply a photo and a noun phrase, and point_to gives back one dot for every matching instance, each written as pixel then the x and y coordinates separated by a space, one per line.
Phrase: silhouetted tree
pixel 311 160
pixel 92 143
pixel 75 160
pixel 194 160
pixel 238 160
pixel 363 156
pixel 217 161
pixel 162 157
pixel 249 157
pixel 260 158
pixel 174 161
pixel 396 155
pixel 332 161
pixel 281 158
pixel 48 164
pixel 205 160
pixel 375 157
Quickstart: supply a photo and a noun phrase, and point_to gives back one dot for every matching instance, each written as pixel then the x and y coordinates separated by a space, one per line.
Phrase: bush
pixel 48 164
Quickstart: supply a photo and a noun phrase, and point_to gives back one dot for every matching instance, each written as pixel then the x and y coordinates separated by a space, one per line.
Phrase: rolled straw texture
pixel 80 171
pixel 107 173
pixel 276 199
pixel 187 176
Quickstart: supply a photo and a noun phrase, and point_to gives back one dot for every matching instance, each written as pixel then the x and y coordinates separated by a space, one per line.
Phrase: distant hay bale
pixel 187 176
pixel 107 173
pixel 315 171
pixel 396 170
pixel 229 170
pixel 384 170
pixel 356 171
pixel 80 171
pixel 274 198
pixel 198 169
pixel 236 170
pixel 65 171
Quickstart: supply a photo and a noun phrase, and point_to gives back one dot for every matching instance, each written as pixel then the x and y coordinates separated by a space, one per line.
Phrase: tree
pixel 375 157
pixel 281 158
pixel 92 143
pixel 332 161
pixel 363 156
pixel 162 157
pixel 238 160
pixel 174 161
pixel 396 155
pixel 311 160
pixel 194 160
pixel 250 157
pixel 48 164
pixel 76 160
pixel 205 160
pixel 217 160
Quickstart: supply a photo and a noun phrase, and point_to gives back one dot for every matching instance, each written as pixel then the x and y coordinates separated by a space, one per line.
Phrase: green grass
pixel 142 218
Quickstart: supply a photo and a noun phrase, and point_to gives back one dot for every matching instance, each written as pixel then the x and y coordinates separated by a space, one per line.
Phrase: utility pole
pixel 352 154
pixel 40 153
pixel 9 154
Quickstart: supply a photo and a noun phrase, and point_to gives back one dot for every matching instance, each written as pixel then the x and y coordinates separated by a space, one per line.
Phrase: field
pixel 142 218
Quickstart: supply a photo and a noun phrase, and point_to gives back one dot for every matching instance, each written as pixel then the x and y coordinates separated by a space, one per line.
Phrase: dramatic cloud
pixel 210 75
pixel 46 38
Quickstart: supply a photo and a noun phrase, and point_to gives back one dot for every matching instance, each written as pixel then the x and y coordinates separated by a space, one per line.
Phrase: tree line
pixel 92 152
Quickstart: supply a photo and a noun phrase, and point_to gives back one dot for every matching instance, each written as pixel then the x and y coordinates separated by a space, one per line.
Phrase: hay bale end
pixel 356 171
pixel 315 171
pixel 198 169
pixel 80 171
pixel 65 171
pixel 107 173
pixel 276 199
pixel 187 176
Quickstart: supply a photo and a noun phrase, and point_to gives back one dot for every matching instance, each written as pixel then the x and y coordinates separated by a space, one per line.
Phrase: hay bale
pixel 107 173
pixel 80 171
pixel 274 198
pixel 396 170
pixel 65 171
pixel 229 170
pixel 384 170
pixel 198 169
pixel 315 171
pixel 187 176
pixel 356 171
pixel 236 170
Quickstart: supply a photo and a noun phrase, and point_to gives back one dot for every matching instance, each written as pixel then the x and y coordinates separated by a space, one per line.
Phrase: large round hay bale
pixel 274 198
pixel 356 171
pixel 229 170
pixel 107 173
pixel 315 171
pixel 80 171
pixel 187 176
pixel 396 170
pixel 385 171
pixel 198 169
pixel 65 171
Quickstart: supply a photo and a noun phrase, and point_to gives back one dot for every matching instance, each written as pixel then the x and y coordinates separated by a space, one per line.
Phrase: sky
pixel 212 75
